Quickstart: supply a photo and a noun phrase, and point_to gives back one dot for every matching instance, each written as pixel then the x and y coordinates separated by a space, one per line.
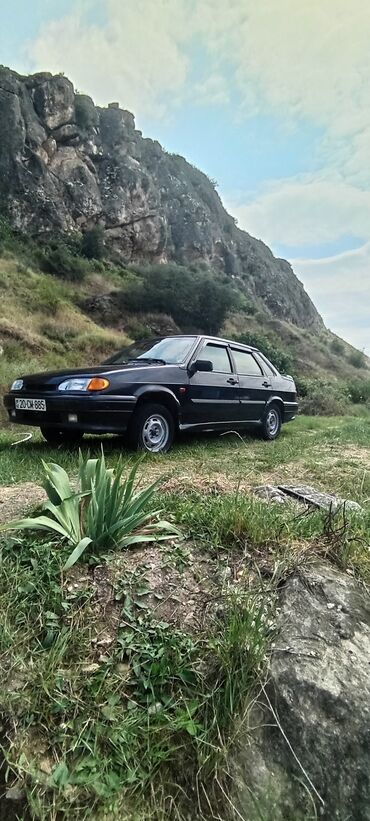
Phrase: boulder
pixel 312 749
pixel 54 101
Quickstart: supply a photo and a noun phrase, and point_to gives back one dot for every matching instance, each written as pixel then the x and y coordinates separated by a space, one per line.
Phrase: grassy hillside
pixel 60 309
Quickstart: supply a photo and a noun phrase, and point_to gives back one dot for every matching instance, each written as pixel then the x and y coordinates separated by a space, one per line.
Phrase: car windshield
pixel 170 350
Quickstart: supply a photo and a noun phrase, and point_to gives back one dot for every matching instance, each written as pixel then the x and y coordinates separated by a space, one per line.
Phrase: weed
pixel 102 513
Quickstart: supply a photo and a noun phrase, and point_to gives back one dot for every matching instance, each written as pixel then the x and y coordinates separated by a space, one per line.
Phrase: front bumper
pixel 95 414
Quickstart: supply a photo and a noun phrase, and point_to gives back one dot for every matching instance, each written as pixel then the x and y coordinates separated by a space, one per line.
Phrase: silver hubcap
pixel 272 422
pixel 155 433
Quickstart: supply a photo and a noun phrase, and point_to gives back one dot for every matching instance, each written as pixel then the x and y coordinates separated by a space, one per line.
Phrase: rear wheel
pixel 152 429
pixel 63 436
pixel 271 423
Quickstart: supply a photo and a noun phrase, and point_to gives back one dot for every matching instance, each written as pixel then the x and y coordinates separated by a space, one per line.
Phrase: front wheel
pixel 62 436
pixel 271 423
pixel 152 429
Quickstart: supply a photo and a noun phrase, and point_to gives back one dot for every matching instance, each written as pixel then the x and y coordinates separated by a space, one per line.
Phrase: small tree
pixel 93 243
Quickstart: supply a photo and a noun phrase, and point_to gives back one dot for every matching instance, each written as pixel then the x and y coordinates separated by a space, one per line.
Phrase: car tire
pixel 56 437
pixel 152 429
pixel 271 422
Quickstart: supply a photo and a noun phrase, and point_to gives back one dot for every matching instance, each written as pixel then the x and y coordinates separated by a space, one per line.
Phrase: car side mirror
pixel 201 365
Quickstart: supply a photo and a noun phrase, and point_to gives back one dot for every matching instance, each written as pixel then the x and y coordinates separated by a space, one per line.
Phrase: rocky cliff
pixel 67 165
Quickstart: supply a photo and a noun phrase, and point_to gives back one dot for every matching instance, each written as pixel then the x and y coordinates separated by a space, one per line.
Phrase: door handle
pixel 266 384
pixel 232 381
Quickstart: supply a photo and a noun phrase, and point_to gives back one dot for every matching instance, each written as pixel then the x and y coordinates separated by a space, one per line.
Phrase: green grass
pixel 142 728
pixel 145 724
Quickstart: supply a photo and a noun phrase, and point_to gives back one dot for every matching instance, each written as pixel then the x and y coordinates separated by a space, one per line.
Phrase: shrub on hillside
pixel 281 359
pixel 337 347
pixel 359 391
pixel 321 398
pixel 61 262
pixel 357 359
pixel 197 299
pixel 92 245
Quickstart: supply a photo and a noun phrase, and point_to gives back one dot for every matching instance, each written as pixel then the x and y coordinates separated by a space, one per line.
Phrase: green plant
pixel 93 243
pixel 357 359
pixel 359 391
pixel 323 398
pixel 103 513
pixel 195 298
pixel 60 261
pixel 337 347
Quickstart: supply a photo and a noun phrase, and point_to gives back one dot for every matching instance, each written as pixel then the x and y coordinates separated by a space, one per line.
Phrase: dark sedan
pixel 155 388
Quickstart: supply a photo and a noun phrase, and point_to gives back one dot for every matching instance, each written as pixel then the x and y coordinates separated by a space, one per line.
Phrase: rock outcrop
pixel 66 165
pixel 311 756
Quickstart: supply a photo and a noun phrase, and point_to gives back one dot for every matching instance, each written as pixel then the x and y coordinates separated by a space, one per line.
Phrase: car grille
pixel 38 387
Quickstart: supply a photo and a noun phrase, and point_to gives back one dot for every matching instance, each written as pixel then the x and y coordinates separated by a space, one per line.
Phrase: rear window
pixel 246 363
pixel 268 364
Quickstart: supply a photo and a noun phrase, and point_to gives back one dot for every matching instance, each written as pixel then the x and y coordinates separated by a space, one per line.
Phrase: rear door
pixel 213 396
pixel 255 388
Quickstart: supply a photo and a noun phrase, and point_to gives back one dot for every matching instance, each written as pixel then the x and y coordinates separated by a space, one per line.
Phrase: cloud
pixel 136 56
pixel 341 286
pixel 306 210
pixel 310 60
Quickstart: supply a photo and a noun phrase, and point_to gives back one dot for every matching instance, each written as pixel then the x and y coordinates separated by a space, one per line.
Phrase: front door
pixel 255 388
pixel 213 396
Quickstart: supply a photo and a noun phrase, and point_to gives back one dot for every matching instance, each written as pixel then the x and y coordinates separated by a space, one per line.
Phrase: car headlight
pixel 17 385
pixel 84 384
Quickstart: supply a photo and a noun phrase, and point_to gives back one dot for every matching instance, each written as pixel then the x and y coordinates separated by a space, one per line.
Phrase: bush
pixel 282 360
pixel 93 243
pixel 320 398
pixel 359 391
pixel 196 299
pixel 337 347
pixel 61 262
pixel 357 359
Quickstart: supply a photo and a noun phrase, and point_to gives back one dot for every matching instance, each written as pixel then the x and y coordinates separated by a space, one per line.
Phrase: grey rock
pixel 270 493
pixel 318 691
pixel 65 133
pixel 306 495
pixel 54 101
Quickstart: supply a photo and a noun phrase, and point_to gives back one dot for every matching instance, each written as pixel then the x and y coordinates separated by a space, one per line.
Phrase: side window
pixel 268 364
pixel 246 363
pixel 218 356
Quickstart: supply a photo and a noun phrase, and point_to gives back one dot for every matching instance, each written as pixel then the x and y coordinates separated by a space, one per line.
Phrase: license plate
pixel 30 404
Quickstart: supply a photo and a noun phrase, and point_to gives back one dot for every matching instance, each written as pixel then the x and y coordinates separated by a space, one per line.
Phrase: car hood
pixel 55 377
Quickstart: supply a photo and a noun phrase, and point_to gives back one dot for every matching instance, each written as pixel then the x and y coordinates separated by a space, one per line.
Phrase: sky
pixel 271 98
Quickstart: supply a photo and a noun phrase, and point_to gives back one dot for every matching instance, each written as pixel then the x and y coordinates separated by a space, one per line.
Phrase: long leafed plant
pixel 104 511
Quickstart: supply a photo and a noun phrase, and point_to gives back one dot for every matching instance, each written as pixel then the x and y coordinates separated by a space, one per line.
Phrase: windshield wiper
pixel 149 359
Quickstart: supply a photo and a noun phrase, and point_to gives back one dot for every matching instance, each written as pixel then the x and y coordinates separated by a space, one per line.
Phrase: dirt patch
pixel 175 583
pixel 17 499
